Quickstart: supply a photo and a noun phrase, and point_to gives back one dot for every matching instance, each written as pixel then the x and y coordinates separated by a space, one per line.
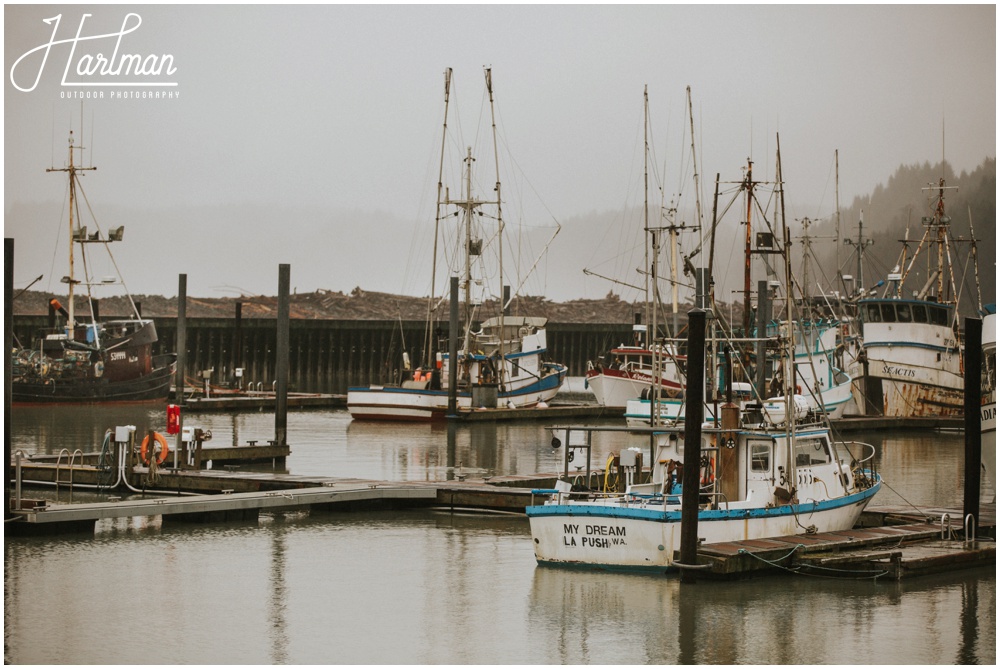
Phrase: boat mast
pixel 652 278
pixel 496 163
pixel 939 224
pixel 789 351
pixel 836 191
pixel 748 186
pixel 650 306
pixel 72 169
pixel 428 339
pixel 468 205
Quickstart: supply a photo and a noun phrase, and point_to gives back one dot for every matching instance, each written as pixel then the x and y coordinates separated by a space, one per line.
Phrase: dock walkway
pixel 929 540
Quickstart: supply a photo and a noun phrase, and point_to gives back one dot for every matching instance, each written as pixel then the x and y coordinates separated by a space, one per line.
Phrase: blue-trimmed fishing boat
pixel 768 463
pixel 755 482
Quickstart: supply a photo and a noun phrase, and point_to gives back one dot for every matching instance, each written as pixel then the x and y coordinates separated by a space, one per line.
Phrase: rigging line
pixel 107 246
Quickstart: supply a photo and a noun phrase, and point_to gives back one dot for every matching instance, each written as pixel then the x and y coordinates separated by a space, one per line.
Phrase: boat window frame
pixel 873 313
pixel 807 447
pixel 937 314
pixel 759 465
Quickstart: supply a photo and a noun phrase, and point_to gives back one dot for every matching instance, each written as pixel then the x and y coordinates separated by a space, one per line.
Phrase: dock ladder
pixel 72 461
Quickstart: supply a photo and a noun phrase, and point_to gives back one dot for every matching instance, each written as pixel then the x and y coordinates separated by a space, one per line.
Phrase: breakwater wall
pixel 330 355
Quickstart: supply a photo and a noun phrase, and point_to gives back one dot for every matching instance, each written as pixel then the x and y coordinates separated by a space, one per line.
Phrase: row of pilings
pixel 328 356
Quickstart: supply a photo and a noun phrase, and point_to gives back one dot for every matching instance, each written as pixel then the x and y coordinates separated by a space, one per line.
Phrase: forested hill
pixel 910 195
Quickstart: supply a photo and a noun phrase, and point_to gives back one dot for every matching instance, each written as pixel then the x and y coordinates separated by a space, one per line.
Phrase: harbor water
pixel 431 587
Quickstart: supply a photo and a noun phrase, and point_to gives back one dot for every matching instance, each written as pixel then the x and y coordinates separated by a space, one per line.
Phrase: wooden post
pixel 281 363
pixel 453 350
pixel 8 340
pixel 694 413
pixel 181 358
pixel 973 410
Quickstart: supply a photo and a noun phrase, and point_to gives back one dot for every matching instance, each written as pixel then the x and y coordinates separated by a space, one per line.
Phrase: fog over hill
pixel 159 245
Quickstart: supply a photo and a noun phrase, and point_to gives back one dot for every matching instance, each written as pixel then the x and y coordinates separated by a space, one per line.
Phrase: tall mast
pixel 650 304
pixel 428 342
pixel 836 191
pixel 496 163
pixel 71 169
pixel 748 186
pixel 468 204
pixel 790 344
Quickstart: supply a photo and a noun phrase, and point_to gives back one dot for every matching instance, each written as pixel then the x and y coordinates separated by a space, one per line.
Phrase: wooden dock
pixel 254 401
pixel 229 506
pixel 889 542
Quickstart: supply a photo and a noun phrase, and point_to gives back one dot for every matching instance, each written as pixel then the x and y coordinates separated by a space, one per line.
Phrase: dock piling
pixel 181 358
pixel 281 362
pixel 973 410
pixel 695 409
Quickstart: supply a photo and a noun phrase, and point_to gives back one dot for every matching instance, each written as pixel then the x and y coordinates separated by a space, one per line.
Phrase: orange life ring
pixel 798 390
pixel 164 449
pixel 707 471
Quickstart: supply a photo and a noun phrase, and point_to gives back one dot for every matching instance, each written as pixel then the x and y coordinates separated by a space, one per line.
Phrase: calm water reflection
pixel 431 588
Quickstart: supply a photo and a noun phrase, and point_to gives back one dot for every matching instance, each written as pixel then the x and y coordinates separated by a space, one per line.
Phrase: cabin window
pixel 872 313
pixel 903 313
pixel 919 313
pixel 939 315
pixel 811 451
pixel 760 457
pixel 515 369
pixel 888 312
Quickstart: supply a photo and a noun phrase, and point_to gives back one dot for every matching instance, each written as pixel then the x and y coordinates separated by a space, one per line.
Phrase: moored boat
pixel 755 482
pixel 86 359
pixel 501 361
pixel 910 358
pixel 765 467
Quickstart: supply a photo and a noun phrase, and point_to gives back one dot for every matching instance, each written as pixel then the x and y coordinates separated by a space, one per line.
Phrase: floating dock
pixel 889 542
pixel 900 543
pixel 256 401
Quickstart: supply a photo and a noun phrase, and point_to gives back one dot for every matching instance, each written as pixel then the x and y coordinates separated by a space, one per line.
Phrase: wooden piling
pixel 973 410
pixel 453 350
pixel 8 339
pixel 281 359
pixel 694 412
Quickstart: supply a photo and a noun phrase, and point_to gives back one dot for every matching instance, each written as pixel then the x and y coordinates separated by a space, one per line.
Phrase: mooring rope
pixel 798 569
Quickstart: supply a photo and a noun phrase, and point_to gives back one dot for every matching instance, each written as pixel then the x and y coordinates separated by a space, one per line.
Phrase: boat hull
pixel 407 404
pixel 647 537
pixel 151 387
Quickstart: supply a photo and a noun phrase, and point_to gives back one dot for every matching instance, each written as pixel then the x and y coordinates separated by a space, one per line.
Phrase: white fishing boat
pixel 756 482
pixel 501 361
pixel 763 471
pixel 910 358
pixel 988 415
pixel 629 371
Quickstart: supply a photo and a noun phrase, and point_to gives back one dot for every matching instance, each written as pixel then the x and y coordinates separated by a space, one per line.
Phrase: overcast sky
pixel 311 134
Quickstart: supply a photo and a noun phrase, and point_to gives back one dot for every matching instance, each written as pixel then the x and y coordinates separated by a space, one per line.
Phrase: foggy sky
pixel 310 135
